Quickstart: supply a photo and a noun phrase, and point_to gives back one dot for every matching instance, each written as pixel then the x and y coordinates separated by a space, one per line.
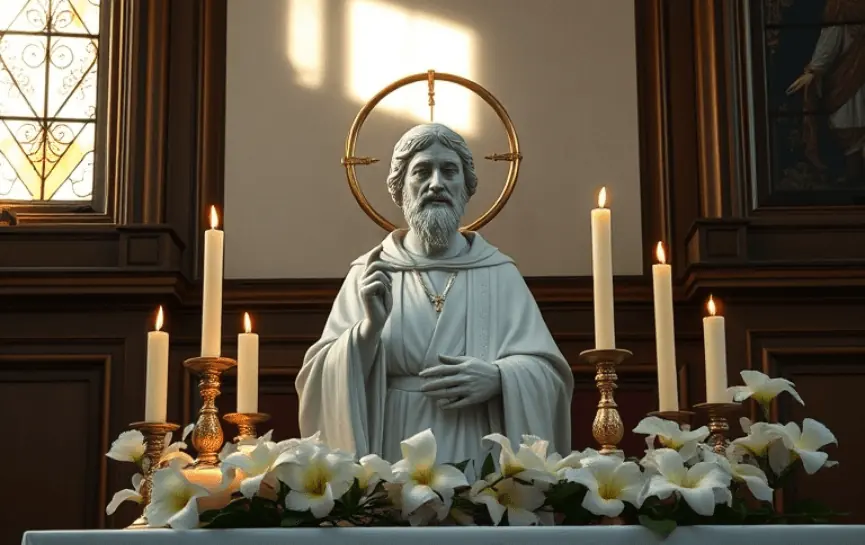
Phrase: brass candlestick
pixel 154 440
pixel 607 428
pixel 682 418
pixel 718 425
pixel 207 436
pixel 245 423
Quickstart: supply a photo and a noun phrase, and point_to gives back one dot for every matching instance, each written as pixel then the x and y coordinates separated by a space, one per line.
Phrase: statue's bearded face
pixel 434 194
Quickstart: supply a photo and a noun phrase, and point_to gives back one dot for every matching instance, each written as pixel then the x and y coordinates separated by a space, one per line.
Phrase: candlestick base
pixel 246 423
pixel 682 418
pixel 607 427
pixel 207 436
pixel 718 425
pixel 154 441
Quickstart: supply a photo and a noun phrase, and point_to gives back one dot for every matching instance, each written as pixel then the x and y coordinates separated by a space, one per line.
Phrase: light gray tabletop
pixel 595 535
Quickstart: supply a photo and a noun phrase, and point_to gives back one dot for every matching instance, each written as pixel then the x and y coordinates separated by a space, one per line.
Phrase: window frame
pixel 123 45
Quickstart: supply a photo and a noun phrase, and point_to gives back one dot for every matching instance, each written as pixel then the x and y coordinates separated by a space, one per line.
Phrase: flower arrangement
pixel 680 480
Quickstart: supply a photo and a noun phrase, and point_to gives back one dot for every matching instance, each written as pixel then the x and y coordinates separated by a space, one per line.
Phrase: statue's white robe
pixel 489 314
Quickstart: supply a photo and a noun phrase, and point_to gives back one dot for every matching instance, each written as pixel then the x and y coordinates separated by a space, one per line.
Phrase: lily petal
pixel 413 496
pixel 701 500
pixel 420 449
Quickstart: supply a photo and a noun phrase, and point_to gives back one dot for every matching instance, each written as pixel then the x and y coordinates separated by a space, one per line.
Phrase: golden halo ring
pixel 350 160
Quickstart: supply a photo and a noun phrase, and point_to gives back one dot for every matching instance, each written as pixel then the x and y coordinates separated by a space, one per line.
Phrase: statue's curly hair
pixel 420 138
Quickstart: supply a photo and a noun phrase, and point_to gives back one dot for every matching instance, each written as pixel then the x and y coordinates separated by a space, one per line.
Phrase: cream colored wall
pixel 299 71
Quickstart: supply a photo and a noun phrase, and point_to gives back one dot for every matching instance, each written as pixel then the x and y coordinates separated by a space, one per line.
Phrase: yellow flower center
pixel 762 397
pixel 669 443
pixel 179 501
pixel 609 490
pixel 509 470
pixel 316 479
pixel 504 498
pixel 422 475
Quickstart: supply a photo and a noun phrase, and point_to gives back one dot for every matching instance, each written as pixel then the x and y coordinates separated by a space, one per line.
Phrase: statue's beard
pixel 435 224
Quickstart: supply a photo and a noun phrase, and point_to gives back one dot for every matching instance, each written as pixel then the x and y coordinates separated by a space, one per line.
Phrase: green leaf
pixel 662 528
pixel 489 466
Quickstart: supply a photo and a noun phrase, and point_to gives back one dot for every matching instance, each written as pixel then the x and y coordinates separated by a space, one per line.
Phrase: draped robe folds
pixel 489 313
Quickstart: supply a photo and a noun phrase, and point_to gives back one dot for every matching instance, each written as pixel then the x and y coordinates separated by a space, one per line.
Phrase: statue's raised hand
pixel 461 381
pixel 375 293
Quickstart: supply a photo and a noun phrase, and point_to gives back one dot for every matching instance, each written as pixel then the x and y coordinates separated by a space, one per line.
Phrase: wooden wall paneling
pixel 828 369
pixel 59 398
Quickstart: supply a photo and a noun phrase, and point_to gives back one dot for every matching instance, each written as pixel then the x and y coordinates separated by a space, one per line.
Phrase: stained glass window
pixel 48 88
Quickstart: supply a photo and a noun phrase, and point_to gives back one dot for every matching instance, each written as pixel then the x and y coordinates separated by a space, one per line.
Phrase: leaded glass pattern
pixel 48 99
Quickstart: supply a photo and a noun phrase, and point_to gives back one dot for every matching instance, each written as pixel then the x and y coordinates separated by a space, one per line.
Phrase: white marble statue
pixel 434 328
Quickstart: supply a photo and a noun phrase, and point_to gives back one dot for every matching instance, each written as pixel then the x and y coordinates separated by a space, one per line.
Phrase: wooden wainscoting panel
pixel 828 369
pixel 58 409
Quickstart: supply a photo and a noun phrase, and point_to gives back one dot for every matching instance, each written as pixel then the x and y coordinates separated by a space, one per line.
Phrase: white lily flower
pixel 670 435
pixel 806 444
pixel 760 436
pixel 762 389
pixel 732 462
pixel 255 464
pixel 128 447
pixel 554 463
pixel 519 501
pixel 174 499
pixel 423 480
pixel 316 475
pixel 527 464
pixel 610 482
pixel 701 486
pixel 126 495
pixel 372 470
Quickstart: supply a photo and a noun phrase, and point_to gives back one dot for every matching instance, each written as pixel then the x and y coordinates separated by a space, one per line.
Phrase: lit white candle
pixel 247 368
pixel 211 304
pixel 156 385
pixel 665 333
pixel 716 355
pixel 602 274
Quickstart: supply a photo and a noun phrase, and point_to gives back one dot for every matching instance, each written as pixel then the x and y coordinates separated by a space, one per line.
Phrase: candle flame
pixel 711 306
pixel 659 252
pixel 602 198
pixel 214 218
pixel 247 323
pixel 160 318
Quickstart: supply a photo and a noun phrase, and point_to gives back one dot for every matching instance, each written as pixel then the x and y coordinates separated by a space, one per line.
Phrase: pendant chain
pixel 438 301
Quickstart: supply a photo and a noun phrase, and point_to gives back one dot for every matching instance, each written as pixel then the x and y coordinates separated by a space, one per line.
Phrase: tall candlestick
pixel 602 274
pixel 211 304
pixel 156 385
pixel 716 356
pixel 247 368
pixel 665 333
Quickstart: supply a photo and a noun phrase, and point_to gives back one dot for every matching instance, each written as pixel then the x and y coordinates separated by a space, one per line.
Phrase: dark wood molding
pixel 655 153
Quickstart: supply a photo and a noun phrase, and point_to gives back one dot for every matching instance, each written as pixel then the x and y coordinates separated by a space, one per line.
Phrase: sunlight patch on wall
pixel 386 43
pixel 306 41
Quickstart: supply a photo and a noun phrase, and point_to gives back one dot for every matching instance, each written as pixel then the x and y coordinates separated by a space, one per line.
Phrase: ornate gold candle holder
pixel 207 436
pixel 154 441
pixel 682 418
pixel 246 423
pixel 607 428
pixel 718 425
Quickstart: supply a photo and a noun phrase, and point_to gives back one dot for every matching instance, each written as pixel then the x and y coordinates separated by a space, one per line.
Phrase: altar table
pixel 594 535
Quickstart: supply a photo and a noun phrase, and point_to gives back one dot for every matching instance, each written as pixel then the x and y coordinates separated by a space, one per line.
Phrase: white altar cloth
pixel 594 535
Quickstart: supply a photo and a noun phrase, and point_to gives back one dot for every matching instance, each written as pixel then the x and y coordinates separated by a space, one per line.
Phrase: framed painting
pixel 808 68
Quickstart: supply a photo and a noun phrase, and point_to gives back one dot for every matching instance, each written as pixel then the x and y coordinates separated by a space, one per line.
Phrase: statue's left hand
pixel 461 381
